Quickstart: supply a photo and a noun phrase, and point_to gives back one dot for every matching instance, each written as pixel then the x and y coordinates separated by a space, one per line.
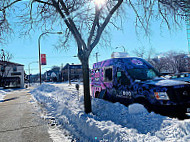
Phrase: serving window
pixel 108 74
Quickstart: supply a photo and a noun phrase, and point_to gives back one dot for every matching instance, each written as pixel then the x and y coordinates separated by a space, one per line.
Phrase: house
pixel 71 72
pixel 52 75
pixel 33 78
pixel 11 74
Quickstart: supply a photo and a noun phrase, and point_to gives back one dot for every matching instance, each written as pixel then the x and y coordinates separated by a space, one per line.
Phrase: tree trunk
pixel 86 86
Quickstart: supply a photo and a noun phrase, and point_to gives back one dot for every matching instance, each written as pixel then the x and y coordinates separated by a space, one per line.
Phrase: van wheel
pixel 182 116
pixel 145 103
pixel 97 94
pixel 147 106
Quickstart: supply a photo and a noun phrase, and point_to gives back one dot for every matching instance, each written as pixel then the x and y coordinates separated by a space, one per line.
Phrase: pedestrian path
pixel 19 120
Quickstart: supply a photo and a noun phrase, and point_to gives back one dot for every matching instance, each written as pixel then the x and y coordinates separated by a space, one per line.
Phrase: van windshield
pixel 142 74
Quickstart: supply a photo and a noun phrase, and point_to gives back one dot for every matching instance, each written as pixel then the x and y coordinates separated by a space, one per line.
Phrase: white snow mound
pixel 136 108
pixel 112 122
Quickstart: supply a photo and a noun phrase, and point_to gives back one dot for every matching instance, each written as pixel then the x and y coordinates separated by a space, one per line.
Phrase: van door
pixel 122 79
pixel 124 95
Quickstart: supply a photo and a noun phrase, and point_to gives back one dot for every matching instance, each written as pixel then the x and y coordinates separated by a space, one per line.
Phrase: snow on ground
pixel 111 122
pixel 3 92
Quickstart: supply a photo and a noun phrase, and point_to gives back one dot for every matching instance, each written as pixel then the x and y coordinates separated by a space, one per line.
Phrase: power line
pixel 37 57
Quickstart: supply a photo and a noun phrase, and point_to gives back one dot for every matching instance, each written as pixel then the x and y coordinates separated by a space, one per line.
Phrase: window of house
pixel 72 71
pixel 2 68
pixel 14 68
pixel 108 74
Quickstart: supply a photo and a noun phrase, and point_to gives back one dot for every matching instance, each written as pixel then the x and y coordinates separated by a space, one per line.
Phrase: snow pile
pixel 137 108
pixel 108 122
pixel 3 92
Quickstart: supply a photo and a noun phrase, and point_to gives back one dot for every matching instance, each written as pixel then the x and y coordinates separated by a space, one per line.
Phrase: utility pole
pixel 188 32
pixel 96 57
pixel 188 27
pixel 29 70
pixel 3 55
pixel 69 76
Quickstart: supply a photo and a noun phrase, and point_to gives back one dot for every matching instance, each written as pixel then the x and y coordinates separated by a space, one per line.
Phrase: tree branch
pixel 102 27
pixel 9 5
pixel 95 22
pixel 42 2
pixel 72 24
pixel 165 19
pixel 56 5
pixel 138 17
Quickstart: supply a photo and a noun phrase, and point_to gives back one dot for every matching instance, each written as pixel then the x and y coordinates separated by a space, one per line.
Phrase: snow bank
pixel 3 92
pixel 108 121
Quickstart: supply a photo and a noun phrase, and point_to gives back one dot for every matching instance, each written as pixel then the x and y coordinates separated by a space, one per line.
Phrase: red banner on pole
pixel 43 59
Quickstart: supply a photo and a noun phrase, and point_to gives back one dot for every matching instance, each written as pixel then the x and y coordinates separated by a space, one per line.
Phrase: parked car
pixel 133 80
pixel 181 76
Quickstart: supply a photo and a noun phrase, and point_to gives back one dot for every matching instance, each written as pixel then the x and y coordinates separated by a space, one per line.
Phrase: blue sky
pixel 25 50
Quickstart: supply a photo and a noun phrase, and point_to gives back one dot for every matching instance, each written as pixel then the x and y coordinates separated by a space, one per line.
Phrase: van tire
pixel 182 116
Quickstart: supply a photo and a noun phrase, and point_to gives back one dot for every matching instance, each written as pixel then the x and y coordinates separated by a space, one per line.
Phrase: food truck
pixel 133 80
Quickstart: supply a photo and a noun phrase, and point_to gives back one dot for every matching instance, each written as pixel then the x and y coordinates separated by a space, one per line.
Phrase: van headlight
pixel 161 95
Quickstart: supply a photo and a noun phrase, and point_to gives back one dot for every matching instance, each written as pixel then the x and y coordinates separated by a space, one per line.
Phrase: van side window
pixel 108 75
pixel 122 78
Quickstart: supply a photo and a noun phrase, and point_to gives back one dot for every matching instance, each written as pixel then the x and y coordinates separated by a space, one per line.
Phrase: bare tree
pixel 170 12
pixel 171 62
pixel 159 63
pixel 178 61
pixel 5 28
pixel 144 53
pixel 139 52
pixel 5 57
pixel 86 21
pixel 55 68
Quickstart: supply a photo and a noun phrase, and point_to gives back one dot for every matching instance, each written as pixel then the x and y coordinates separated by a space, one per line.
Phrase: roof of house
pixel 72 66
pixel 10 63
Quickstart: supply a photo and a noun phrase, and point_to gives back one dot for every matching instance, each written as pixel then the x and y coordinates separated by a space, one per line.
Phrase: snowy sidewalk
pixel 19 122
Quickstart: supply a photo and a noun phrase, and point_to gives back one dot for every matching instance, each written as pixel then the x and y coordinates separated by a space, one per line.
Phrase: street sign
pixel 43 59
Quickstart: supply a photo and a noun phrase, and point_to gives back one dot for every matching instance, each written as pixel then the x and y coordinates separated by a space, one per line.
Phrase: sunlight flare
pixel 99 2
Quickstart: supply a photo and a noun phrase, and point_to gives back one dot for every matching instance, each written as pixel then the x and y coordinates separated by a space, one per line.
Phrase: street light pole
pixel 29 69
pixel 40 70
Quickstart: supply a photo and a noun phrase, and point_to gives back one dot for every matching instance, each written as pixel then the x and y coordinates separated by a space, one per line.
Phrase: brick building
pixel 73 72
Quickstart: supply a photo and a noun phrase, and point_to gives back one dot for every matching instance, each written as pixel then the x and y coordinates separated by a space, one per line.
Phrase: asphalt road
pixel 19 119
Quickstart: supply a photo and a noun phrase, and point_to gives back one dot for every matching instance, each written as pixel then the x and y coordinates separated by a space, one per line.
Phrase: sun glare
pixel 99 2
